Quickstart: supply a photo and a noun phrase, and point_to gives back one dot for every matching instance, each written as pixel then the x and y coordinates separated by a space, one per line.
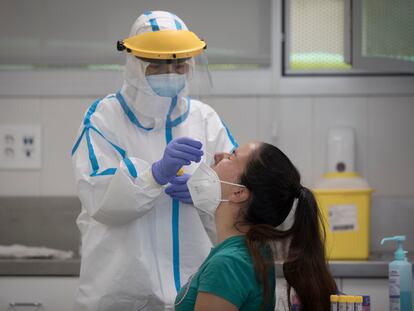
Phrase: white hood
pixel 150 108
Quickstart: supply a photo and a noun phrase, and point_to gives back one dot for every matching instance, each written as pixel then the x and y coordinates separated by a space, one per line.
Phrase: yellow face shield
pixel 163 45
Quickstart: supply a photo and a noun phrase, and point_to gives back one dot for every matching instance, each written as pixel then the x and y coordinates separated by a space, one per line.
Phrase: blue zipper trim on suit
pixel 108 171
pixel 92 156
pixel 129 113
pixel 91 111
pixel 182 117
pixel 177 121
pixel 178 25
pixel 154 24
pixel 176 243
pixel 94 162
pixel 86 123
pixel 131 168
pixel 175 207
pixel 233 141
pixel 75 147
pixel 91 152
pixel 168 128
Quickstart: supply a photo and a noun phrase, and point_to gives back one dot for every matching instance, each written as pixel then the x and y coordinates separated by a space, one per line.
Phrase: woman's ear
pixel 240 196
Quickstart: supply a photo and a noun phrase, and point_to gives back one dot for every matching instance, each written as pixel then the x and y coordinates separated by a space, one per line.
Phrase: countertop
pixel 375 267
pixel 39 267
pixel 50 222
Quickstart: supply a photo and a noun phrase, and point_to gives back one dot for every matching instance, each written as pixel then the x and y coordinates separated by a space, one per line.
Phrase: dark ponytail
pixel 306 269
pixel 274 183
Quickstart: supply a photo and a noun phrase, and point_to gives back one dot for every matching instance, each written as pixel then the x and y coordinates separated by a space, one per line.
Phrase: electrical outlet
pixel 20 146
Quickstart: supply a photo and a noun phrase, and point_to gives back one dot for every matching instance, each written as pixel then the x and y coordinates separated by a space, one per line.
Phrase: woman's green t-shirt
pixel 228 272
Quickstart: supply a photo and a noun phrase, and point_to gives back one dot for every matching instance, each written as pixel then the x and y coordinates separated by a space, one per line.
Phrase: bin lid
pixel 345 180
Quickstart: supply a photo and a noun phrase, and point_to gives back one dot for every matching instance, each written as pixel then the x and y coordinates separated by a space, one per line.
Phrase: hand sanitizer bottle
pixel 400 278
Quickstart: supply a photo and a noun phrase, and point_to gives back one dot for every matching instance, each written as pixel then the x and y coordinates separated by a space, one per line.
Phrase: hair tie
pixel 300 192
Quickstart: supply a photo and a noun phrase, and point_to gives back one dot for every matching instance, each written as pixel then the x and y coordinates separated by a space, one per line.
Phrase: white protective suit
pixel 138 245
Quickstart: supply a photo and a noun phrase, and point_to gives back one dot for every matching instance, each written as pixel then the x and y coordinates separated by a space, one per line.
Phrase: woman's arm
pixel 210 302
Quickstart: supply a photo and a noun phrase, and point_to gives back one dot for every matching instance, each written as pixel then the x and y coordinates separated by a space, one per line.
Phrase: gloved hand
pixel 178 189
pixel 180 151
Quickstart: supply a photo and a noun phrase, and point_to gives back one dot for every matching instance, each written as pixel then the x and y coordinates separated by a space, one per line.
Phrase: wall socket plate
pixel 20 146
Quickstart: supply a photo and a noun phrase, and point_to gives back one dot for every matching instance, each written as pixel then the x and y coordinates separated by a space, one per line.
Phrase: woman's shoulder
pixel 234 257
pixel 230 274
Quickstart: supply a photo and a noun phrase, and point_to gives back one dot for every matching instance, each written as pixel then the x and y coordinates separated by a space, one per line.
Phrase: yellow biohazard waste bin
pixel 344 200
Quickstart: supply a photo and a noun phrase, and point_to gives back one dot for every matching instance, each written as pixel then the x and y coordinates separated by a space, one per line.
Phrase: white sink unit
pixel 37 293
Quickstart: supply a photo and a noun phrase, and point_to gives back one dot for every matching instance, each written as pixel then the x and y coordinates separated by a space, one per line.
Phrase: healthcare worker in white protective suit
pixel 141 236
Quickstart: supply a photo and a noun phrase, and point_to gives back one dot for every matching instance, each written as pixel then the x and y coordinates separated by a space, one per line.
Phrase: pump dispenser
pixel 400 278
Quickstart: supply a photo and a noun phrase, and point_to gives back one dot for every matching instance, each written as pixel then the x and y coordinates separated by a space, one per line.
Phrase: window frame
pixel 373 64
pixel 364 66
pixel 254 82
pixel 286 31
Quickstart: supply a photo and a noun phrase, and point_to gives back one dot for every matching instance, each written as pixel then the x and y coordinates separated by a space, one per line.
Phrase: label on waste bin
pixel 343 218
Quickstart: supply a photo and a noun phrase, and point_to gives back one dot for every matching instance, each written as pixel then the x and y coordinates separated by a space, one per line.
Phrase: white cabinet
pixel 53 293
pixel 377 289
pixel 281 293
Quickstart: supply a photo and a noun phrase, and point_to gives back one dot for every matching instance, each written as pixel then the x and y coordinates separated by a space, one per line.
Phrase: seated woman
pixel 251 192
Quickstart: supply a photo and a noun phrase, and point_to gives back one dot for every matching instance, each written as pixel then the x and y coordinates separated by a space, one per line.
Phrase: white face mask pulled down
pixel 205 189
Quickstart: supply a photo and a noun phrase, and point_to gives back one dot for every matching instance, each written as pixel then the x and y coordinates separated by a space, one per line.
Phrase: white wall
pixel 383 125
pixel 60 119
pixel 295 117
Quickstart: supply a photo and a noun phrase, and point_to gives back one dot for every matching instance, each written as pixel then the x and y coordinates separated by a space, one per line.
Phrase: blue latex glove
pixel 179 152
pixel 178 189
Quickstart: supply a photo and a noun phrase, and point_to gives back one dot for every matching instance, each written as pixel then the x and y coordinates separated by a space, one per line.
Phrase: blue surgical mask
pixel 167 84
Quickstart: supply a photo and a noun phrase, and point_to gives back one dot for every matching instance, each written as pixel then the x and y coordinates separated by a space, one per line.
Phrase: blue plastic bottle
pixel 400 278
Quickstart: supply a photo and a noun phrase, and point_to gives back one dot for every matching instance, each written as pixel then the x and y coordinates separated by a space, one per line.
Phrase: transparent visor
pixel 195 70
